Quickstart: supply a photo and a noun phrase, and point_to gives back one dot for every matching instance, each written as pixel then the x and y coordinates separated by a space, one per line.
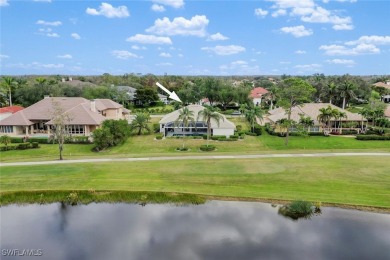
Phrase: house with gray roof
pixel 169 125
pixel 84 116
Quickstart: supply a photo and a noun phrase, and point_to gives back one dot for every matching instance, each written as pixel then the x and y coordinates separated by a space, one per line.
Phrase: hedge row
pixel 46 140
pixel 207 148
pixel 20 146
pixel 373 137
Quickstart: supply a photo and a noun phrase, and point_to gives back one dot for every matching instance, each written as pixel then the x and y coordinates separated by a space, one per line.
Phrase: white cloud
pixel 164 64
pixel 158 8
pixel 285 62
pixel 309 11
pixel 109 11
pixel 165 55
pixel 180 55
pixel 240 67
pixel 124 55
pixel 2 56
pixel 372 39
pixel 180 26
pixel 4 3
pixel 217 37
pixel 300 52
pixel 44 1
pixel 45 30
pixel 76 36
pixel 224 50
pixel 65 56
pixel 55 23
pixel 36 65
pixel 335 50
pixel 279 12
pixel 308 67
pixel 260 12
pixel 297 31
pixel 136 47
pixel 172 3
pixel 53 35
pixel 149 39
pixel 351 1
pixel 342 62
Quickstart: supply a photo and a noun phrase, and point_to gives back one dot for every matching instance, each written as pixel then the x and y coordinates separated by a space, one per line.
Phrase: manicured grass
pixel 363 181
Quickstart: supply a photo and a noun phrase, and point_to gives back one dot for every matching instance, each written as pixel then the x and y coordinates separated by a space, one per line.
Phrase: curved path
pixel 204 157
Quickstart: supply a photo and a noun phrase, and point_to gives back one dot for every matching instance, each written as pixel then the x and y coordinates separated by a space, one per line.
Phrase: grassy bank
pixel 361 181
pixel 89 196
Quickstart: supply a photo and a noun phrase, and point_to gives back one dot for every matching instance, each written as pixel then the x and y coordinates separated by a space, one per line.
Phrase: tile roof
pixel 223 124
pixel 78 108
pixel 382 85
pixel 10 109
pixel 258 92
pixel 311 110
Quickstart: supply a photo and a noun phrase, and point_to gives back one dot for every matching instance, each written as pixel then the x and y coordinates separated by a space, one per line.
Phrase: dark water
pixel 216 230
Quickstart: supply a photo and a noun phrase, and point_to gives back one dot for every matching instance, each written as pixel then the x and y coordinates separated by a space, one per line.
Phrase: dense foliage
pixel 112 133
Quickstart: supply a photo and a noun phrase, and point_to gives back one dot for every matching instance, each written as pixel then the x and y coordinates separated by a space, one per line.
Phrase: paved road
pixel 205 157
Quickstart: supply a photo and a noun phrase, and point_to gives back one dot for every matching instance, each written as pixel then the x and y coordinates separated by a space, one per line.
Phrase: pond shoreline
pixel 74 197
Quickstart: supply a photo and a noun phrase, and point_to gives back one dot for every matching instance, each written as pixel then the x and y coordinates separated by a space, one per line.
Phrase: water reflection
pixel 216 230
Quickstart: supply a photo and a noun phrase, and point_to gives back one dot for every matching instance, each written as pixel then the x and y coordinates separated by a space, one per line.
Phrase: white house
pixel 170 127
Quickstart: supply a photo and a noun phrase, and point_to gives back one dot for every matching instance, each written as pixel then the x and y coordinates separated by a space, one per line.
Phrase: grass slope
pixel 363 181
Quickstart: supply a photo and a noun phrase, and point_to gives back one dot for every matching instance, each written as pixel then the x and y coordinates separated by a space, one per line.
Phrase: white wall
pixel 225 132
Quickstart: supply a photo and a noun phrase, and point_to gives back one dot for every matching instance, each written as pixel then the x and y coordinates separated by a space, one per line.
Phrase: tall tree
pixel 294 91
pixel 211 89
pixel 9 84
pixel 208 114
pixel 346 91
pixel 253 113
pixel 227 94
pixel 186 117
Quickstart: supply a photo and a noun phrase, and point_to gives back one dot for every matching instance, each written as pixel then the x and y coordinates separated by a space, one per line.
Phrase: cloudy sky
pixel 198 37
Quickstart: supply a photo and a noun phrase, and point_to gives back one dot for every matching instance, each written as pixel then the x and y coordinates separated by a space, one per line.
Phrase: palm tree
pixel 9 83
pixel 331 91
pixel 341 115
pixel 140 122
pixel 273 94
pixel 6 140
pixel 252 113
pixel 206 115
pixel 306 121
pixel 347 92
pixel 186 116
pixel 326 114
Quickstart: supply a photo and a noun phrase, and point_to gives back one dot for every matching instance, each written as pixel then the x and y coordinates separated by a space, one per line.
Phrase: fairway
pixel 358 180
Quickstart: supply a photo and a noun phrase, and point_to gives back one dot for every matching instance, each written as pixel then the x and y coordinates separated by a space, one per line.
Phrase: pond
pixel 215 230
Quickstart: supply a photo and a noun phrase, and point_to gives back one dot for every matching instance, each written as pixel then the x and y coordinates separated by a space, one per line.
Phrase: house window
pixel 75 129
pixel 5 129
pixel 293 129
pixel 314 129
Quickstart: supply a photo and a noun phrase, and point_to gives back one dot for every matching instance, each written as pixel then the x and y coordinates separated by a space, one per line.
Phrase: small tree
pixel 6 140
pixel 140 122
pixel 111 133
pixel 252 114
pixel 59 120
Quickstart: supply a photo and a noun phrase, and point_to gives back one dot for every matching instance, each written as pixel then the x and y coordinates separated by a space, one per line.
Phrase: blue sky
pixel 179 37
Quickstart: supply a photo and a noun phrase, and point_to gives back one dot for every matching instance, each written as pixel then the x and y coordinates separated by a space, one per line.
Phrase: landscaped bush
pixel 257 130
pixel 23 146
pixel 16 140
pixel 159 136
pixel 182 149
pixel 383 122
pixel 297 209
pixel 349 132
pixel 250 133
pixel 238 128
pixel 373 137
pixel 156 127
pixel 206 148
pixel 204 136
pixel 316 133
pixel 41 140
pixel 7 148
pixel 34 145
pixel 216 137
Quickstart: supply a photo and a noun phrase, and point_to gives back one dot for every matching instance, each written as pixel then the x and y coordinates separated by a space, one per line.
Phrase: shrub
pixel 257 129
pixel 7 148
pixel 16 140
pixel 349 132
pixel 40 140
pixel 23 146
pixel 239 128
pixel 250 133
pixel 297 209
pixel 373 137
pixel 34 145
pixel 182 149
pixel 159 136
pixel 204 136
pixel 156 127
pixel 206 148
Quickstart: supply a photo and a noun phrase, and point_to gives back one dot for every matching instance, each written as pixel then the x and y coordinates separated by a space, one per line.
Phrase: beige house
pixel 84 116
pixel 312 110
pixel 169 126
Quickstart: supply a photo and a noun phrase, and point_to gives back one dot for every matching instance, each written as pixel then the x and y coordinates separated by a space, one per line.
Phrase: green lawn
pixel 359 180
pixel 145 145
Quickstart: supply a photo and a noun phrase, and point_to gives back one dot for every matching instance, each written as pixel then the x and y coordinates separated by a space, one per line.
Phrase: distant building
pixel 7 111
pixel 257 95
